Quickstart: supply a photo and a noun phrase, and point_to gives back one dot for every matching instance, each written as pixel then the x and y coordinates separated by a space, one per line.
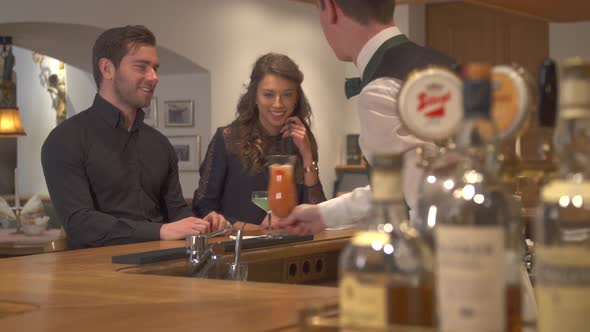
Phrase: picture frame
pixel 179 113
pixel 188 151
pixel 151 113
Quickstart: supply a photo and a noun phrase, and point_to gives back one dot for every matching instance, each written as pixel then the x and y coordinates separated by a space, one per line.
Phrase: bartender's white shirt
pixel 381 130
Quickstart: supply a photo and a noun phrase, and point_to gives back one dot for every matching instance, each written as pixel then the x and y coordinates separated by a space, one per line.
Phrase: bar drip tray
pixel 155 256
pixel 261 242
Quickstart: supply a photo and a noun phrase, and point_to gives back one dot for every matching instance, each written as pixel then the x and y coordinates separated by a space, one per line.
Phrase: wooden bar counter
pixel 82 290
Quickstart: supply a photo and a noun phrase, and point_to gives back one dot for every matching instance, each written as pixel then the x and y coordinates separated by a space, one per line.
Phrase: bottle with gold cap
pixel 386 270
pixel 477 237
pixel 562 228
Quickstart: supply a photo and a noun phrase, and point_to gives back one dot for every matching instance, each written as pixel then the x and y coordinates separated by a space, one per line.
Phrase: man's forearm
pixel 347 209
pixel 95 229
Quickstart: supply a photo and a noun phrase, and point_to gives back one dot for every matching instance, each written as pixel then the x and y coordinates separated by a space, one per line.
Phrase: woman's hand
pixel 216 220
pixel 295 129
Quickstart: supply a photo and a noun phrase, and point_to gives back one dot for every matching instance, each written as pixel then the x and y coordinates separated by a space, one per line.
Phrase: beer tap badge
pixel 430 103
pixel 512 99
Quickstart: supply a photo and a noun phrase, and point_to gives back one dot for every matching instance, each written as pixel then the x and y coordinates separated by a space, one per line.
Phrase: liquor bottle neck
pixel 385 216
pixel 478 132
pixel 387 204
pixel 572 143
pixel 572 136
pixel 477 141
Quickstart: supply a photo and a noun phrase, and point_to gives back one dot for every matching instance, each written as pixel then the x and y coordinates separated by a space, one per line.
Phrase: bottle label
pixel 471 283
pixel 363 305
pixel 574 99
pixel 562 288
pixel 386 186
pixel 370 239
pixel 564 192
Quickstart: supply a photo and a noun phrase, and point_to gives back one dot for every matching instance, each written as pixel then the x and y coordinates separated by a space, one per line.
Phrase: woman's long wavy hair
pixel 250 137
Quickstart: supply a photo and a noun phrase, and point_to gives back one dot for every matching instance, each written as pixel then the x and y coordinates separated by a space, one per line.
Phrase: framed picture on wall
pixel 188 151
pixel 179 113
pixel 151 113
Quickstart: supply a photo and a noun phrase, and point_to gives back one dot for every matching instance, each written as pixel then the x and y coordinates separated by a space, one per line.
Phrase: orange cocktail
pixel 281 187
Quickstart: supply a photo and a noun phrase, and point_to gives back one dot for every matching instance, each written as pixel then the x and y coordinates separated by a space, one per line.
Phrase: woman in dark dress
pixel 273 117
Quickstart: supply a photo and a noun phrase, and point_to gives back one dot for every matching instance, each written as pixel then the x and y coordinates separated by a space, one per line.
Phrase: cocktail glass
pixel 282 196
pixel 260 199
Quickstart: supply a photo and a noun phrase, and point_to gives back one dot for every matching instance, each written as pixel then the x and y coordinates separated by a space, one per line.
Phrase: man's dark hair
pixel 364 11
pixel 113 44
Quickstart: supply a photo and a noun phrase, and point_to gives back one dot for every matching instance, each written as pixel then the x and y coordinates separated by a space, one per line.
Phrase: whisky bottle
pixel 562 228
pixel 386 270
pixel 477 234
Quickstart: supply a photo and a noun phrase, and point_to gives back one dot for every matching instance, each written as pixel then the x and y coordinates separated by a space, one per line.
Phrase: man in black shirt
pixel 112 178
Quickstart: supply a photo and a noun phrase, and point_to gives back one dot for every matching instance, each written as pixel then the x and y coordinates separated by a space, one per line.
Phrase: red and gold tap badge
pixel 430 103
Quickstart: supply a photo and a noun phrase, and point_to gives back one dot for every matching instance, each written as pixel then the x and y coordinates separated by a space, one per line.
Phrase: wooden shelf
pixel 360 167
pixel 549 10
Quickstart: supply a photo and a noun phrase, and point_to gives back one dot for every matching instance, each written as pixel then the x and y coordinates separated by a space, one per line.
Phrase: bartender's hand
pixel 216 220
pixel 181 229
pixel 304 219
pixel 295 129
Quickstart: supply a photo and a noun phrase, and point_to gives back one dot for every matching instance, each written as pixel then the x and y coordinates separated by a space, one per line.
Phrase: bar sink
pixel 301 262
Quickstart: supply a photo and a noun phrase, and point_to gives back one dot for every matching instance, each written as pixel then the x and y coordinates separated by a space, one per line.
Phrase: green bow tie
pixel 352 87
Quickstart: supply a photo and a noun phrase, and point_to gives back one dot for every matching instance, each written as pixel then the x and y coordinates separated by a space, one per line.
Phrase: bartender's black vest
pixel 398 57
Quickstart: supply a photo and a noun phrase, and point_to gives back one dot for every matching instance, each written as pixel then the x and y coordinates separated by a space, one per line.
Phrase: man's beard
pixel 128 97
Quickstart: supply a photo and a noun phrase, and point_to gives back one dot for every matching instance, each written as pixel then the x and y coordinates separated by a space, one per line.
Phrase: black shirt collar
pixel 113 116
